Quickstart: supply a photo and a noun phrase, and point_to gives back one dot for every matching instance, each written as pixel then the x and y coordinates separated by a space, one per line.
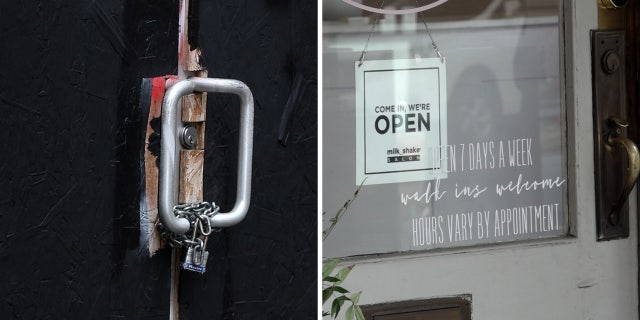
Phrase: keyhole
pixel 188 137
pixel 611 62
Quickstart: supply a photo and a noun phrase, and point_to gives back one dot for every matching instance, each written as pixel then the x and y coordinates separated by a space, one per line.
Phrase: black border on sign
pixel 364 118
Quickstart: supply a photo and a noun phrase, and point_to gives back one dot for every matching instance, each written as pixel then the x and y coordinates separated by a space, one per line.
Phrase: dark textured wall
pixel 69 168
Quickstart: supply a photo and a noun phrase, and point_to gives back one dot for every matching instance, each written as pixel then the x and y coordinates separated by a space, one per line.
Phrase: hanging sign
pixel 401 121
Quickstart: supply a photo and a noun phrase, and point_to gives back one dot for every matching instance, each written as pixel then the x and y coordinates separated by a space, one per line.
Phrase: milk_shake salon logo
pixel 401 116
pixel 408 122
pixel 407 154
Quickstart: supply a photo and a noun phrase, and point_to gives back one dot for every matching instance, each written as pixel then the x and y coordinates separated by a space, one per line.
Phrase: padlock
pixel 200 256
pixel 195 259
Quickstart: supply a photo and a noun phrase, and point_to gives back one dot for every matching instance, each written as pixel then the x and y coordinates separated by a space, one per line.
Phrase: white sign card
pixel 401 121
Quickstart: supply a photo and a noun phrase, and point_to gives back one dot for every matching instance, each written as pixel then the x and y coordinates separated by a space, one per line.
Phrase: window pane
pixel 502 173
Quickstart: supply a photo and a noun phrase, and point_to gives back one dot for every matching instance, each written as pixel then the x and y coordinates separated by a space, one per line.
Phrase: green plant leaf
pixel 355 297
pixel 326 294
pixel 340 289
pixel 344 272
pixel 358 312
pixel 331 279
pixel 328 267
pixel 336 305
pixel 348 314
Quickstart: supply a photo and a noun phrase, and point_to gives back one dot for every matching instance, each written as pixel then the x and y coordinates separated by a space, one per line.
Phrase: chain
pixel 199 215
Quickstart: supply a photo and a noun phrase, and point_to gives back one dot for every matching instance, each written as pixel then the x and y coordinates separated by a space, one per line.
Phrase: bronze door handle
pixel 633 164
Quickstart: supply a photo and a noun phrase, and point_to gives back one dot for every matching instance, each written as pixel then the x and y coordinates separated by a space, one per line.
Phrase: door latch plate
pixel 609 102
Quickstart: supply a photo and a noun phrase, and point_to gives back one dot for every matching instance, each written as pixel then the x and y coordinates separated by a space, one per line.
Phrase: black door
pixel 70 165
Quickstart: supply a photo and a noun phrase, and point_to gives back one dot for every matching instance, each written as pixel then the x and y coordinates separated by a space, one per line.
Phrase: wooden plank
pixel 151 170
pixel 191 172
pixel 191 62
pixel 200 127
pixel 174 308
pixel 192 161
pixel 194 107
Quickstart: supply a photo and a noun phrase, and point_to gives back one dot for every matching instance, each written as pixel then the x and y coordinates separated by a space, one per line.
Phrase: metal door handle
pixel 633 164
pixel 170 148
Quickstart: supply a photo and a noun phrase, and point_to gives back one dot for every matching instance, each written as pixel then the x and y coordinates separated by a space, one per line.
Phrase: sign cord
pixel 373 27
pixel 369 37
pixel 433 42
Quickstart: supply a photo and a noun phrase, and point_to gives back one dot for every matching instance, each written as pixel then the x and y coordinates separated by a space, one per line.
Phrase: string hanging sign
pixel 401 117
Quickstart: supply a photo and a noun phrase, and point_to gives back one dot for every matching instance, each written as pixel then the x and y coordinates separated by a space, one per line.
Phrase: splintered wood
pixel 191 62
pixel 192 161
pixel 194 107
pixel 191 167
pixel 151 170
